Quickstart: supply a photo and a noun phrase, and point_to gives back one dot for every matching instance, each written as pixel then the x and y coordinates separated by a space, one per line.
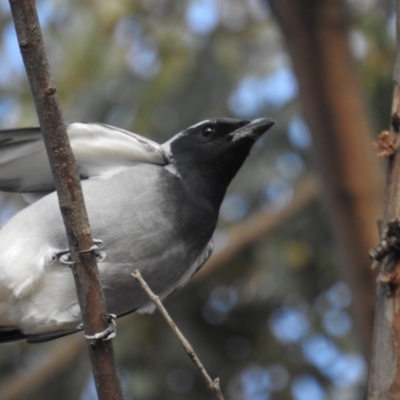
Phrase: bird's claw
pixel 65 257
pixel 100 255
pixel 94 247
pixel 108 333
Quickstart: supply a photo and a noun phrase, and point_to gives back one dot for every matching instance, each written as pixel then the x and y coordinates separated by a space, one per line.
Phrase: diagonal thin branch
pixel 212 385
pixel 66 179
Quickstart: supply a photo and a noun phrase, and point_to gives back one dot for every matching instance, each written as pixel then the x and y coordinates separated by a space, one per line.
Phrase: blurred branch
pixel 212 385
pixel 72 206
pixel 260 224
pixel 59 357
pixel 384 380
pixel 316 35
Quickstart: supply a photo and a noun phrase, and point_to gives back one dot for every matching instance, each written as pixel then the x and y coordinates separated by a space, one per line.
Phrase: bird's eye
pixel 207 132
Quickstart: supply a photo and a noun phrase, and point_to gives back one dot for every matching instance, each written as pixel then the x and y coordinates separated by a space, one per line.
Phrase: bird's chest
pixel 164 243
pixel 160 233
pixel 154 220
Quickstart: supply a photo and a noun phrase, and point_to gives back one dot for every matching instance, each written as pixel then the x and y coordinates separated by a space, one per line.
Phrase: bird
pixel 154 207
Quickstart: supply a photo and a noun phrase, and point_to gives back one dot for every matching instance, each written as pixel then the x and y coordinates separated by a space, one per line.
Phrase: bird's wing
pixel 23 163
pixel 100 150
pixel 8 335
pixel 12 333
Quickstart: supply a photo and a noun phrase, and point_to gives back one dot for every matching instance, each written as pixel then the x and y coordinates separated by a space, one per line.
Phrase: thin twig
pixel 212 385
pixel 72 206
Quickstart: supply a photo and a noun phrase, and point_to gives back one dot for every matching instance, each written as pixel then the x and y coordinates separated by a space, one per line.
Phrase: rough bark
pixel 316 36
pixel 70 195
pixel 384 382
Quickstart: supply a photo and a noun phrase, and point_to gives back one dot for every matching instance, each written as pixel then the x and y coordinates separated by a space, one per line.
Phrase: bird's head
pixel 211 152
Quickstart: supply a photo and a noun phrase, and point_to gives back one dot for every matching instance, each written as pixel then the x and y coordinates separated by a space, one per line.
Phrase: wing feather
pixel 100 150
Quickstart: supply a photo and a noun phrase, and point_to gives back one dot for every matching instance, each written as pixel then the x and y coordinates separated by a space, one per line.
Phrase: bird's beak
pixel 253 130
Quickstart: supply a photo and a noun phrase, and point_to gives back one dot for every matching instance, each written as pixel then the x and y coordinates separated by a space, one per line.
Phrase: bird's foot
pixel 65 256
pixel 100 255
pixel 108 333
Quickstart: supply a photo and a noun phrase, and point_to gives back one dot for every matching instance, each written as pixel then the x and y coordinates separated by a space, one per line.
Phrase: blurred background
pixel 284 308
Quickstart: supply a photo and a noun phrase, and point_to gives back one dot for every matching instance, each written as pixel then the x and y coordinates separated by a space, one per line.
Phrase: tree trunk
pixel 317 40
pixel 384 380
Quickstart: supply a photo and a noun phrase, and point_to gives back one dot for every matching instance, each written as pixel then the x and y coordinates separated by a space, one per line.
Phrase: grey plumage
pixel 155 208
pixel 99 150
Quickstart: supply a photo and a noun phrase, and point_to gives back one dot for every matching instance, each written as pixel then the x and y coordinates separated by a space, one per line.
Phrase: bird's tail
pixel 10 335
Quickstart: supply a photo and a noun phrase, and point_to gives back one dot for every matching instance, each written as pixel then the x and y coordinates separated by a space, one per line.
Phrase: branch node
pixel 385 145
pixel 51 90
pixel 390 281
pixel 396 121
pixel 390 242
pixel 387 277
